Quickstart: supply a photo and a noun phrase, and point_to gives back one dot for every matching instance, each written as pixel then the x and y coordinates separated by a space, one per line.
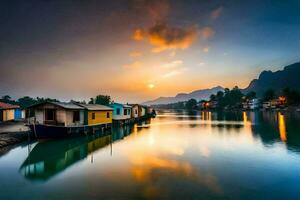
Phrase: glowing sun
pixel 151 85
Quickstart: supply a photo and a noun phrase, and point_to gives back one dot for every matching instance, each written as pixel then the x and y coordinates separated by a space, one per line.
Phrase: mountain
pixel 288 77
pixel 198 95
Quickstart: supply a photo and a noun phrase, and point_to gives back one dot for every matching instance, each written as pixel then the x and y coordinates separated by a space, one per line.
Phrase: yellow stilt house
pixel 97 114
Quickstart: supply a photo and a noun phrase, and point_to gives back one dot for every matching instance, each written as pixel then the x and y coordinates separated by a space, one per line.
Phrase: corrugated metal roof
pixel 124 105
pixel 61 104
pixel 67 105
pixel 95 107
pixel 7 106
pixel 132 105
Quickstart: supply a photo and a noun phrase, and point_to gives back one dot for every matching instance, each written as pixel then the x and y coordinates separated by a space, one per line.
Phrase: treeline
pixel 189 105
pixel 292 96
pixel 234 98
pixel 27 101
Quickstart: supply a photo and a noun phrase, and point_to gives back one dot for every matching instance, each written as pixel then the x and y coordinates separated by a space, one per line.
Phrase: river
pixel 177 155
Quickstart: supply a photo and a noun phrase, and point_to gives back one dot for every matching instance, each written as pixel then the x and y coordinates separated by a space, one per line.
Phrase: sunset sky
pixel 139 50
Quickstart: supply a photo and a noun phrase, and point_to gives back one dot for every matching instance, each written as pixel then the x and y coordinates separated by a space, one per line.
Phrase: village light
pixel 282 99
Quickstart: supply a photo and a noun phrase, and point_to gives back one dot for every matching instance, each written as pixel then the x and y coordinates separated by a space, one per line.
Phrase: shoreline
pixel 13 133
pixel 8 140
pixel 287 109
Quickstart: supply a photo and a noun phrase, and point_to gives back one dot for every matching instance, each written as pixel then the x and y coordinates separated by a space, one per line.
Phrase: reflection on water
pixel 281 125
pixel 45 161
pixel 49 158
pixel 185 155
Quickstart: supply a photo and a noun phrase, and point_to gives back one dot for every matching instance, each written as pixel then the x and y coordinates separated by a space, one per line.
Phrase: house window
pixel 118 111
pixel 93 115
pixel 107 115
pixel 129 111
pixel 76 116
pixel 135 111
pixel 125 111
pixel 50 114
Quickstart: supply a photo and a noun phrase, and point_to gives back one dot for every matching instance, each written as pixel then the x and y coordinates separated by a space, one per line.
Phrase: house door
pixel 1 115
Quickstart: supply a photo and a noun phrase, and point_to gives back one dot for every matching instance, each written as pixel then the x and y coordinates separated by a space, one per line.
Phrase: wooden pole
pixel 34 130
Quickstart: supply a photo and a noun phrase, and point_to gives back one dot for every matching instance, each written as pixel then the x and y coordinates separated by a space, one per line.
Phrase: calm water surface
pixel 178 155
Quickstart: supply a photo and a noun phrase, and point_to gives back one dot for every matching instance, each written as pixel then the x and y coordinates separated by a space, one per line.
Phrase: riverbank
pixel 12 133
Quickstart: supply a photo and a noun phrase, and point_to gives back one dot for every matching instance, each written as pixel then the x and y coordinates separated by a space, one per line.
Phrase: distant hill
pixel 288 77
pixel 198 95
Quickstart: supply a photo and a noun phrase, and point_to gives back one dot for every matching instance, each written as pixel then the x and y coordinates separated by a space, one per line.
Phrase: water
pixel 177 155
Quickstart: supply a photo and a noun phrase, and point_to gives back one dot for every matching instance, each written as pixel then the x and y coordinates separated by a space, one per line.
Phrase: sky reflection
pixel 168 158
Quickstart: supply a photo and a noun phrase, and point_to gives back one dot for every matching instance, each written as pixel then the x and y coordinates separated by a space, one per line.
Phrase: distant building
pixel 282 101
pixel 254 104
pixel 266 104
pixel 142 111
pixel 274 103
pixel 245 105
pixel 149 110
pixel 203 105
pixel 134 110
pixel 251 104
pixel 7 112
pixel 121 111
pixel 212 104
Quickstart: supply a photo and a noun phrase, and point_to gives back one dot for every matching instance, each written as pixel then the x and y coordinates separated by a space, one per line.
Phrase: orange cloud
pixel 134 65
pixel 138 35
pixel 164 37
pixel 135 54
pixel 216 13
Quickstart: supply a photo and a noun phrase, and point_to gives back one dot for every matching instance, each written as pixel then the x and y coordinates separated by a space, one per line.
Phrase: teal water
pixel 177 155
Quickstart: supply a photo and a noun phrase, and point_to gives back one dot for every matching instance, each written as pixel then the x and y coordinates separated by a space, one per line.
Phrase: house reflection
pixel 49 158
pixel 279 127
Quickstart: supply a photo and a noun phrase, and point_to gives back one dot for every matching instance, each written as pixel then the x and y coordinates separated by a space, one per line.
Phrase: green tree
pixel 226 90
pixel 26 101
pixel 219 95
pixel 92 101
pixel 190 104
pixel 212 97
pixel 269 95
pixel 292 96
pixel 47 99
pixel 101 99
pixel 7 99
pixel 235 96
pixel 251 95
